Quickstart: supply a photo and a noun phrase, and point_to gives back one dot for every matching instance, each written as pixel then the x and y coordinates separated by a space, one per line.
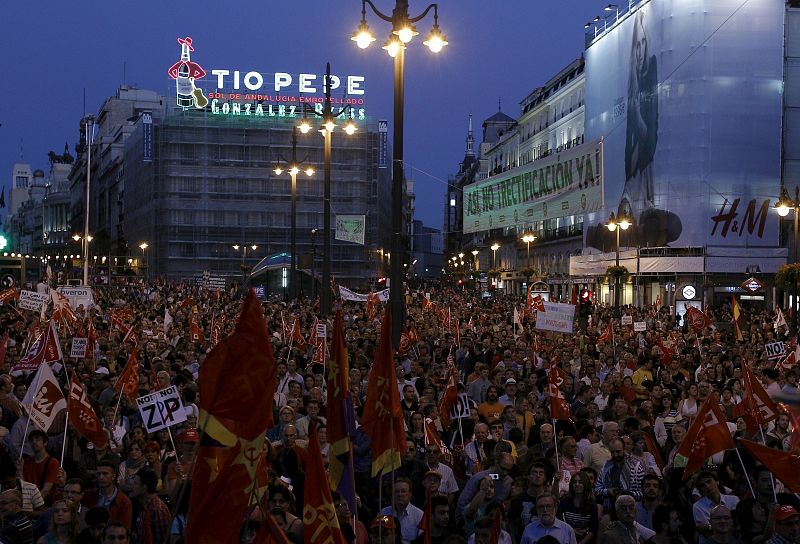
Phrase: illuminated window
pixel 452 202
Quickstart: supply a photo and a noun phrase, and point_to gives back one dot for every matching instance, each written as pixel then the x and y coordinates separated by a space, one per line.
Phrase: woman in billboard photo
pixel 641 137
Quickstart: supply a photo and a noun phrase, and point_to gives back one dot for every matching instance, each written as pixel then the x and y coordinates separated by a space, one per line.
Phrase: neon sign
pixel 251 93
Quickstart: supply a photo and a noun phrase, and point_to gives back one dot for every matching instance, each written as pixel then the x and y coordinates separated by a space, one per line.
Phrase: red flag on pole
pixel 697 319
pixel 559 408
pixel 782 464
pixel 607 335
pixel 196 332
pixel 319 515
pixel 757 408
pixel 82 416
pixel 707 435
pixel 128 381
pixel 383 418
pixel 237 385
pixel 450 392
pixel 46 349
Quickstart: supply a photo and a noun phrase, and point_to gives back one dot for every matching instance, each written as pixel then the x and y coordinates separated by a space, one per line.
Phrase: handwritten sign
pixel 161 409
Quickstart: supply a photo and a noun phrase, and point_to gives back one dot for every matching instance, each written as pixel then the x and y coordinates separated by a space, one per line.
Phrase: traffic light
pixel 585 303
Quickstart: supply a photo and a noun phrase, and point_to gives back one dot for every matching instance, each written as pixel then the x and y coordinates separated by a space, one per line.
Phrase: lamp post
pixel 403 31
pixel 616 224
pixel 143 246
pixel 84 240
pixel 89 124
pixel 244 257
pixel 528 237
pixel 494 247
pixel 783 206
pixel 314 264
pixel 293 168
pixel 328 124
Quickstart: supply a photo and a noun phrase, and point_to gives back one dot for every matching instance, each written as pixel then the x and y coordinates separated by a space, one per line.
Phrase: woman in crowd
pixel 580 510
pixel 63 525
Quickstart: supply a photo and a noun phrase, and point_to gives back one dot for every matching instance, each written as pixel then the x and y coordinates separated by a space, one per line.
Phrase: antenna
pixel 499 104
pixel 21 149
pixel 124 70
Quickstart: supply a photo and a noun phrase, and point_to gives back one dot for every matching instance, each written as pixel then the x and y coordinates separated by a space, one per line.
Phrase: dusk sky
pixel 501 49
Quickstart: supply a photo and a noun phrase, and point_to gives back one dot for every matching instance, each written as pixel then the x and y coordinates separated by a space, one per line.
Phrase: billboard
pixel 687 97
pixel 569 182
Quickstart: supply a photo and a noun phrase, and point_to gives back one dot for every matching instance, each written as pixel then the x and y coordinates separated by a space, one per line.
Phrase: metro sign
pixel 753 285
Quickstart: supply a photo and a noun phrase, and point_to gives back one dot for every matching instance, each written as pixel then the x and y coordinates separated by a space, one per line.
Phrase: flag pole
pixel 28 410
pixel 64 442
pixel 555 441
pixel 747 477
pixel 771 479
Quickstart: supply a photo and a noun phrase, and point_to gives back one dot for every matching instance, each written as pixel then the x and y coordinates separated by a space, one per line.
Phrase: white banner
pixel 161 409
pixel 31 300
pixel 556 317
pixel 78 296
pixel 347 294
pixel 627 320
pixel 350 228
pixel 640 326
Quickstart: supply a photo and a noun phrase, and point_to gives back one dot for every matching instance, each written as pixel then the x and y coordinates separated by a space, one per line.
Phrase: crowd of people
pixel 500 468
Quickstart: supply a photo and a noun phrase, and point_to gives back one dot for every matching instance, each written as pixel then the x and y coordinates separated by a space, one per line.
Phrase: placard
pixel 161 409
pixel 627 320
pixel 31 300
pixel 640 326
pixel 460 408
pixel 775 350
pixel 78 349
pixel 555 317
pixel 322 330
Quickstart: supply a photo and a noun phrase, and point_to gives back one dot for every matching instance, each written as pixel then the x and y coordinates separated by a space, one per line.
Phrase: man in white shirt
pixel 546 523
pixel 708 484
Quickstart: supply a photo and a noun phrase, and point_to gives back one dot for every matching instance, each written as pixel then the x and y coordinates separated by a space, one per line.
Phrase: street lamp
pixel 403 31
pixel 616 224
pixel 494 247
pixel 84 240
pixel 783 206
pixel 328 125
pixel 144 246
pixel 293 168
pixel 244 257
pixel 528 237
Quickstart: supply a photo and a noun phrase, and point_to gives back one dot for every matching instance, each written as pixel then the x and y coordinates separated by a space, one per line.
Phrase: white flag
pixel 167 321
pixel 517 322
pixel 44 399
pixel 780 321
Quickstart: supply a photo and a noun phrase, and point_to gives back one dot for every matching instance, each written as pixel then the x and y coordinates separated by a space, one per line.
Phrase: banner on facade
pixel 350 228
pixel 556 317
pixel 568 182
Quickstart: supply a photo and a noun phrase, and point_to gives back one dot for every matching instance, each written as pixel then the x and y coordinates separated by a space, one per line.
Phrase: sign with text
pixel 569 182
pixel 31 300
pixel 383 143
pixel 640 326
pixel 78 349
pixel 627 320
pixel 78 296
pixel 556 317
pixel 775 350
pixel 350 228
pixel 161 409
pixel 460 408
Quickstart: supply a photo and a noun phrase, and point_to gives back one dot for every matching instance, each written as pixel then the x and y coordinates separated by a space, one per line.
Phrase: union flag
pixel 82 416
pixel 383 418
pixel 697 319
pixel 781 463
pixel 237 385
pixel 341 417
pixel 196 332
pixel 128 381
pixel 707 435
pixel 607 336
pixel 7 295
pixel 319 516
pixel 756 408
pixel 559 408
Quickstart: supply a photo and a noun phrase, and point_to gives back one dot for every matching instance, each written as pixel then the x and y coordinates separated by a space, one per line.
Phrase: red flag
pixel 652 447
pixel 216 328
pixel 405 343
pixel 424 524
pixel 237 385
pixel 91 340
pixel 497 525
pixel 757 408
pixel 373 302
pixel 130 337
pixel 559 409
pixel 7 295
pixel 3 346
pixel 82 416
pixel 128 381
pixel 188 301
pixel 319 515
pixel 537 303
pixel 607 335
pixel 270 532
pixel 707 435
pixel 666 353
pixel 196 332
pixel 781 463
pixel 341 418
pixel 383 418
pixel 450 393
pixel 297 336
pixel 697 319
